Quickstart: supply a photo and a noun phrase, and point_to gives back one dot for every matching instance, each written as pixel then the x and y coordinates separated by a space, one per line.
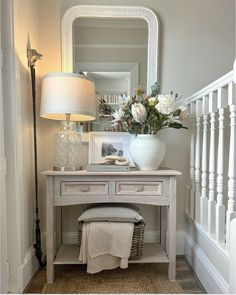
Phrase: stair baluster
pixel 230 214
pixel 203 198
pixel 192 159
pixel 220 207
pixel 198 160
pixel 212 164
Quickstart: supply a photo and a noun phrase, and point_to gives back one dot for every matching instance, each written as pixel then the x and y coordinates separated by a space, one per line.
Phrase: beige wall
pixel 196 47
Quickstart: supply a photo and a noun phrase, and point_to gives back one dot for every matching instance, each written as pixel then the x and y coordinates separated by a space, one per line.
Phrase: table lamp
pixel 68 98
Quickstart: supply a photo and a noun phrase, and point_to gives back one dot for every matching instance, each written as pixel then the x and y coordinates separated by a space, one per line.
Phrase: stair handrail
pixel 221 82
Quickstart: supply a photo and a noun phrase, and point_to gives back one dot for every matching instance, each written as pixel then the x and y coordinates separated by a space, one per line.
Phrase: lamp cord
pixel 37 245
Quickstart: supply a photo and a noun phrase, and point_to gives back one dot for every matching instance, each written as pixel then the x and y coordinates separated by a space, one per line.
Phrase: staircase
pixel 210 244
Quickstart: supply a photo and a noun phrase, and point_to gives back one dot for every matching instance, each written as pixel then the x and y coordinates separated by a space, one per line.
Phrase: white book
pixel 107 168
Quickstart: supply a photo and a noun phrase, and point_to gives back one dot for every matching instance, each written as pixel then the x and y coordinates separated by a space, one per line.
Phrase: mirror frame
pixel 112 11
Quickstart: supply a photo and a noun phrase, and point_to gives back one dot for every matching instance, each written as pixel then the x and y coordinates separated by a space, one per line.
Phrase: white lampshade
pixel 67 93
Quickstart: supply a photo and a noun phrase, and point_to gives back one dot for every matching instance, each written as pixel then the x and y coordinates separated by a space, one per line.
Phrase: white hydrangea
pixel 166 104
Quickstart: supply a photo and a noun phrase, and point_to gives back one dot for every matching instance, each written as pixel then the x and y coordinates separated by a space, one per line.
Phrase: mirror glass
pixel 112 52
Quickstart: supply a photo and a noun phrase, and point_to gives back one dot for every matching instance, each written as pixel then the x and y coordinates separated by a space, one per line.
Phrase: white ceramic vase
pixel 147 151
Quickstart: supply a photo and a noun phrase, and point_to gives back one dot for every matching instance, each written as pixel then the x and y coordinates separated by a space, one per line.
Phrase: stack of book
pixel 107 168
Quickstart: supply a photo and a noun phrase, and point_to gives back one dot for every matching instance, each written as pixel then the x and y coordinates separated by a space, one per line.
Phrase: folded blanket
pixel 106 245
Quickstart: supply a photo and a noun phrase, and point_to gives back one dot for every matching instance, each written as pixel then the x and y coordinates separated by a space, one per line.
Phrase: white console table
pixel 156 188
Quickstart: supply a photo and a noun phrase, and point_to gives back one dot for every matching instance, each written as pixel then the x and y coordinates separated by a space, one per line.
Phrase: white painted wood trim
pixel 220 248
pixel 3 206
pixel 210 278
pixel 231 213
pixel 220 208
pixel 204 199
pixel 232 273
pixel 112 11
pixel 192 161
pixel 221 82
pixel 13 151
pixel 212 165
pixel 27 269
pixel 99 23
pixel 198 160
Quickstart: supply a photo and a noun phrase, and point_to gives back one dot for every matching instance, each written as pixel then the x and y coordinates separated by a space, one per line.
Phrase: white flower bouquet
pixel 148 114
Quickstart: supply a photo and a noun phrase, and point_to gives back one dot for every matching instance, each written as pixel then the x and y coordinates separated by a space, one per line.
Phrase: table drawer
pixel 70 188
pixel 154 188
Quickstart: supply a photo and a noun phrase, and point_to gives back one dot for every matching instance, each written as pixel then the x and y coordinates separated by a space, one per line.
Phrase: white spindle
pixel 212 160
pixel 192 159
pixel 198 161
pixel 203 199
pixel 220 208
pixel 232 163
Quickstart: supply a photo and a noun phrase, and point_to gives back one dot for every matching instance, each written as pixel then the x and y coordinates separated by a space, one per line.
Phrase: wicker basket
pixel 137 240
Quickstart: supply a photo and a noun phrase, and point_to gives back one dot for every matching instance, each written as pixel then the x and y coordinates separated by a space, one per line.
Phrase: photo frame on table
pixel 102 144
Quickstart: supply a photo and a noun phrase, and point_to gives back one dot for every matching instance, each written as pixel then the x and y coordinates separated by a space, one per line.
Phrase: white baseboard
pixel 27 269
pixel 4 275
pixel 210 278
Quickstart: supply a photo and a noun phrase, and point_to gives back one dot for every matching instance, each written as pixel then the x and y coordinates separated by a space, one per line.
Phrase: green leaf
pixel 177 113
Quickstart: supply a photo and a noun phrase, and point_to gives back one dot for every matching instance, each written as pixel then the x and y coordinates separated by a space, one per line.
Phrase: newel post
pixel 232 246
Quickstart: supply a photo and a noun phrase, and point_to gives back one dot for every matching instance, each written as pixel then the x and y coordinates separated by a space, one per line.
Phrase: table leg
pixel 163 227
pixel 58 225
pixel 49 225
pixel 172 230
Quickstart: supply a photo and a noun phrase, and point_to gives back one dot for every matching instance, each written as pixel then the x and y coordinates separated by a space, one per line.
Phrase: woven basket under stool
pixel 137 240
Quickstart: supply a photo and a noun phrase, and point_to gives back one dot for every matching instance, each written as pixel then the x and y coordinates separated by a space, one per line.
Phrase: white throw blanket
pixel 106 245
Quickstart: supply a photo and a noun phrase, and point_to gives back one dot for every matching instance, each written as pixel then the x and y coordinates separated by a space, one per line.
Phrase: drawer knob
pixel 139 188
pixel 84 188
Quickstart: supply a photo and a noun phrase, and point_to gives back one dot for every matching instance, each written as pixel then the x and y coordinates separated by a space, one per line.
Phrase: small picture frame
pixel 102 144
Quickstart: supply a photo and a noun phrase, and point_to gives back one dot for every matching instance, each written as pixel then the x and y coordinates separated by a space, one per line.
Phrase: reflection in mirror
pixel 113 52
pixel 113 44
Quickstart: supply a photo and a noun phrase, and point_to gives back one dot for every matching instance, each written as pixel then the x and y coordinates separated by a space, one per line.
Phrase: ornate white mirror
pixel 116 45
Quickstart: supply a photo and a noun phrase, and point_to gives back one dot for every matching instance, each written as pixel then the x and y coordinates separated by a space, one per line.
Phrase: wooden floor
pixel 185 276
